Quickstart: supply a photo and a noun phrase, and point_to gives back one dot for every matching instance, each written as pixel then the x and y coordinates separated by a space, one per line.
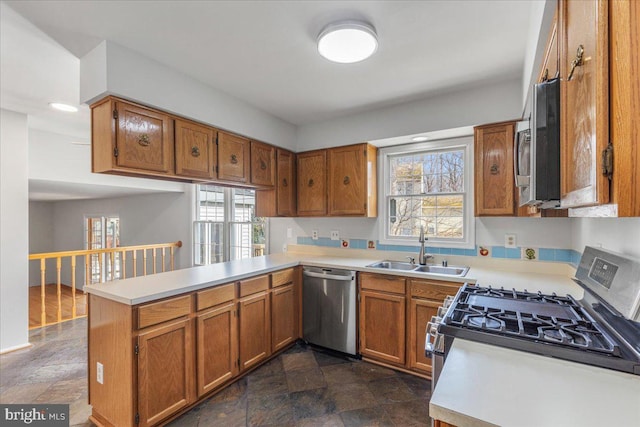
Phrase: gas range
pixel 601 329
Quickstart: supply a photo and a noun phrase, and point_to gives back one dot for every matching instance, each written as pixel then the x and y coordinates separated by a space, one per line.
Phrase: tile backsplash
pixel 569 256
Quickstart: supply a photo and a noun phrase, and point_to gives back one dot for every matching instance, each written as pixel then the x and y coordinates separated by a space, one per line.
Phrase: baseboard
pixel 15 348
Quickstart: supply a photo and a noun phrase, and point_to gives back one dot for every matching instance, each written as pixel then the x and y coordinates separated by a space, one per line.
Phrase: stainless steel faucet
pixel 423 256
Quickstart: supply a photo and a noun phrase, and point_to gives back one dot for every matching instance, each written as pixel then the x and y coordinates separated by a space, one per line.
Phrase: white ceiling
pixel 262 52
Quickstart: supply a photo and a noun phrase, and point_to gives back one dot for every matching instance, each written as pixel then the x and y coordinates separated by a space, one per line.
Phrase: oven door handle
pixel 429 347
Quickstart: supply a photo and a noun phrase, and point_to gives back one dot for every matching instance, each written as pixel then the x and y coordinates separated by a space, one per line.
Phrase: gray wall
pixel 40 239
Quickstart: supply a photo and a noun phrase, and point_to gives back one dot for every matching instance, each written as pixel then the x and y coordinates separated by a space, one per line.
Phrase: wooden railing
pixel 101 265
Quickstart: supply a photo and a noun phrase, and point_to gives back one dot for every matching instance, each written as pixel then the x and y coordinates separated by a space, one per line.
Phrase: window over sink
pixel 430 185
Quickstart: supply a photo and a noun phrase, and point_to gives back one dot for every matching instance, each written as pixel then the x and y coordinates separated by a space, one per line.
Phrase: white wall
pixel 616 234
pixel 40 239
pixel 491 102
pixel 131 75
pixel 14 230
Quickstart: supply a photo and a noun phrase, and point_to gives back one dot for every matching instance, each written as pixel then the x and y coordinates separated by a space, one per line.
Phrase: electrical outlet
pixel 335 235
pixel 99 373
pixel 284 248
pixel 314 234
pixel 509 240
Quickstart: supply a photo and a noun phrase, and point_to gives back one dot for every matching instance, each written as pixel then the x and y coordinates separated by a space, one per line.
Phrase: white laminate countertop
pixel 485 385
pixel 143 289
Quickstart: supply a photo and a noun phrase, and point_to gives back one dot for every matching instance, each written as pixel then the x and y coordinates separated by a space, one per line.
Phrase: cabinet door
pixel 347 180
pixel 286 185
pixel 254 324
pixel 144 139
pixel 420 312
pixel 584 102
pixel 233 158
pixel 494 181
pixel 312 178
pixel 550 66
pixel 382 326
pixel 165 371
pixel 283 317
pixel 263 164
pixel 217 347
pixel 195 150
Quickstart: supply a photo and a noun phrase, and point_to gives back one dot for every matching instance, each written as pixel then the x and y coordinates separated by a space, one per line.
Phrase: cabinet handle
pixel 144 140
pixel 346 180
pixel 263 165
pixel 494 169
pixel 311 183
pixel 234 159
pixel 577 62
pixel 284 182
pixel 195 151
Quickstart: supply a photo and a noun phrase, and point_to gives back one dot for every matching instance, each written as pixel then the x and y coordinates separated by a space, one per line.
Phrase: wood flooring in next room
pixel 301 387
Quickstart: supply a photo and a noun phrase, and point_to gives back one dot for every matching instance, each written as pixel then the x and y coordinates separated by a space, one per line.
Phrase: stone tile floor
pixel 301 387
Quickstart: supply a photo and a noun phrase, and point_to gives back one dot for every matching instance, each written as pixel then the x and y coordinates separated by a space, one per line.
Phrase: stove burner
pixel 483 321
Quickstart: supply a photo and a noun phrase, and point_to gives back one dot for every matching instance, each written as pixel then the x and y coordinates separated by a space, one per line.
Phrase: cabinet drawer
pixel 253 285
pixel 377 282
pixel 215 296
pixel 433 290
pixel 151 314
pixel 283 277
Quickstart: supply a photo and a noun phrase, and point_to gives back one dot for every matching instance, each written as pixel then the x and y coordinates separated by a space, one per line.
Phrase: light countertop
pixel 485 385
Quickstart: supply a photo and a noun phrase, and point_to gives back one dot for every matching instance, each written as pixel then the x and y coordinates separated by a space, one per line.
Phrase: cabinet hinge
pixel 116 152
pixel 238 362
pixel 607 161
pixel 216 139
pixel 137 418
pixel 115 114
pixel 365 206
pixel 136 350
pixel 365 152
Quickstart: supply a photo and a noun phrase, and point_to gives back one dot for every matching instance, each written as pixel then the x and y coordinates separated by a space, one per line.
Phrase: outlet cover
pixel 510 241
pixel 99 373
pixel 335 235
pixel 314 234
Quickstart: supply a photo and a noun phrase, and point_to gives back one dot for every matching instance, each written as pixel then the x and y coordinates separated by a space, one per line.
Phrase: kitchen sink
pixel 451 270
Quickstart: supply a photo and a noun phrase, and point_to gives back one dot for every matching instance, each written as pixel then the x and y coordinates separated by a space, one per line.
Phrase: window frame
pixel 384 187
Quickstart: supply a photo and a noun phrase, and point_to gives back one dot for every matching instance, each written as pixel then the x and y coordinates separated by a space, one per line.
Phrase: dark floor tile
pixel 326 358
pixel 352 396
pixel 229 413
pixel 390 390
pixel 267 385
pixel 305 379
pixel 419 386
pixel 274 366
pixel 270 410
pixel 409 414
pixel 295 361
pixel 370 372
pixel 368 417
pixel 341 374
pixel 66 391
pixel 298 347
pixel 50 373
pixel 326 421
pixel 234 391
pixel 23 393
pixel 312 403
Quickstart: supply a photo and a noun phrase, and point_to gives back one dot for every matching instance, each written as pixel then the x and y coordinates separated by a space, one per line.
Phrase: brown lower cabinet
pixel 160 358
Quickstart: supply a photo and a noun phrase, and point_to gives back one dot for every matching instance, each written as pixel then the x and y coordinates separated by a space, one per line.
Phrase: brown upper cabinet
pixel 233 158
pixel 196 150
pixel 352 180
pixel 550 64
pixel 130 139
pixel 494 181
pixel 263 164
pixel 312 183
pixel 280 201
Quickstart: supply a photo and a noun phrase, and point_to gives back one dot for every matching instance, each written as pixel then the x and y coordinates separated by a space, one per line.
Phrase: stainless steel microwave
pixel 537 149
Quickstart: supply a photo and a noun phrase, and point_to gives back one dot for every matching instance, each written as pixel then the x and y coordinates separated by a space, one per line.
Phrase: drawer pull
pixel 144 140
pixel 577 62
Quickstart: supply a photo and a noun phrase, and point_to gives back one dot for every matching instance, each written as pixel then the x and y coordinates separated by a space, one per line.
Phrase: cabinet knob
pixel 311 183
pixel 263 165
pixel 346 180
pixel 195 151
pixel 577 62
pixel 284 182
pixel 234 159
pixel 494 169
pixel 144 140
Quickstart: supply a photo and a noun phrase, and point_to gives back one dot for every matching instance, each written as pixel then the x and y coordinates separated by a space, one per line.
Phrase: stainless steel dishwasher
pixel 329 308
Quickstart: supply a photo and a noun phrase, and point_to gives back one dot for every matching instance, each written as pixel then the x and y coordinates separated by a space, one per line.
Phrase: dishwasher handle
pixel 327 276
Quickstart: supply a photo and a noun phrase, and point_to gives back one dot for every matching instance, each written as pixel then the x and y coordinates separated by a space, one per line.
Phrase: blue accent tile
pixel 445 251
pixel 498 252
pixel 575 257
pixel 433 250
pixel 471 252
pixel 513 253
pixel 546 254
pixel 381 247
pixel 563 255
pixel 457 251
pixel 357 243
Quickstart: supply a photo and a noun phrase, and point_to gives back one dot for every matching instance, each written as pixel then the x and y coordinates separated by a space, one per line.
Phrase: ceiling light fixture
pixel 419 138
pixel 347 42
pixel 63 107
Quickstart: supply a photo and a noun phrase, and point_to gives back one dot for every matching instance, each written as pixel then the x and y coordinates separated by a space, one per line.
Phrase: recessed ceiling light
pixel 419 138
pixel 63 107
pixel 347 42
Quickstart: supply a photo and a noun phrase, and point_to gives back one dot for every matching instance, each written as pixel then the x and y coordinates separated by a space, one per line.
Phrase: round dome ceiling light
pixel 419 138
pixel 347 42
pixel 63 107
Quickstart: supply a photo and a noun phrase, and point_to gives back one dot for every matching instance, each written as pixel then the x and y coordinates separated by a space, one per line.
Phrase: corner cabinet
pixel 280 201
pixel 352 180
pixel 494 181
